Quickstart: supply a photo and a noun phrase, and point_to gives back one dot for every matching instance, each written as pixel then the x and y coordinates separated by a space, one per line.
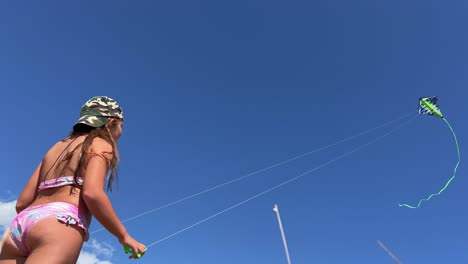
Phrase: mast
pixel 276 210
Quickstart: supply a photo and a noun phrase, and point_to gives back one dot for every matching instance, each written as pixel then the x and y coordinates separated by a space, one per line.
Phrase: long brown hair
pixel 104 132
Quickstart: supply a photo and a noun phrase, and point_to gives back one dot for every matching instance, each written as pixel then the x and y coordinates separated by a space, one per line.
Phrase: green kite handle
pixel 129 250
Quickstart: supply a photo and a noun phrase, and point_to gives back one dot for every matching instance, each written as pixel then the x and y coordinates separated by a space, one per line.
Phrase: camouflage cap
pixel 97 111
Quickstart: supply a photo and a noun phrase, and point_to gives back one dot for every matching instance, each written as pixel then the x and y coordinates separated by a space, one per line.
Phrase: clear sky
pixel 216 90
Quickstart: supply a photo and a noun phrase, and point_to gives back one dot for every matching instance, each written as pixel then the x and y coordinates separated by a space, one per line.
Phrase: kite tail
pixel 449 181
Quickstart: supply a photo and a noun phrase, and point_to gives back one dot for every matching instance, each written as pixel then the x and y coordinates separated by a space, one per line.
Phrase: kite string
pixel 451 178
pixel 283 183
pixel 261 170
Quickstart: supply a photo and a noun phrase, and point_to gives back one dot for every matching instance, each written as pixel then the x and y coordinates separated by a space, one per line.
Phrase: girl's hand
pixel 136 248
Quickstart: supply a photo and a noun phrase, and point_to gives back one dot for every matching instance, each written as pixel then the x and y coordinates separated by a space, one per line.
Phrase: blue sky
pixel 215 90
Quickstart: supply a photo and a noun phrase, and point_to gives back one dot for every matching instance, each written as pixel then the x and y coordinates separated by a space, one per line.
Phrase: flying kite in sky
pixel 429 106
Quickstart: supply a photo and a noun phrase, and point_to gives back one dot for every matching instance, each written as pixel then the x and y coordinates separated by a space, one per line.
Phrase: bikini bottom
pixel 63 212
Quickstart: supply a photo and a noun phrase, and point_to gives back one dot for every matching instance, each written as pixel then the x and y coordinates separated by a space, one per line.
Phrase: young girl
pixel 67 188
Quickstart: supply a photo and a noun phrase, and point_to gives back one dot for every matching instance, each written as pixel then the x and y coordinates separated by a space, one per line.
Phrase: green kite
pixel 429 106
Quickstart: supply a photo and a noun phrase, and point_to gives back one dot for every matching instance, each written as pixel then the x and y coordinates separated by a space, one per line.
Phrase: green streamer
pixel 449 181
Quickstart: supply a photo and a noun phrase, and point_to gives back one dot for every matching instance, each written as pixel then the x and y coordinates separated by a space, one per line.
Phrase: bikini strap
pixel 75 175
pixel 55 162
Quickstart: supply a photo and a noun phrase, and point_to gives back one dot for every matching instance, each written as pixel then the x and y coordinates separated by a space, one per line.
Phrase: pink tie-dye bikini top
pixel 60 181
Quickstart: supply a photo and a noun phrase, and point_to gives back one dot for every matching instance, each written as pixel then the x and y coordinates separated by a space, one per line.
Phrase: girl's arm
pixel 29 192
pixel 93 192
pixel 97 200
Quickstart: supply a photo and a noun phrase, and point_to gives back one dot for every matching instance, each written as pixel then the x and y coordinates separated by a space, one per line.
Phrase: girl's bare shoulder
pixel 101 146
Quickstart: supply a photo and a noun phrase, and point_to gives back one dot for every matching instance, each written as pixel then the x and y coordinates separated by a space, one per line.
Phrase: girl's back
pixel 61 161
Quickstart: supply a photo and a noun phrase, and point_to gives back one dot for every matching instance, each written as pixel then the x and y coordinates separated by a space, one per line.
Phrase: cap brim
pixel 94 121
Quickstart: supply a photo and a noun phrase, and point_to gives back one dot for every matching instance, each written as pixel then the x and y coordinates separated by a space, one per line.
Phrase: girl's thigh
pixel 10 254
pixel 51 241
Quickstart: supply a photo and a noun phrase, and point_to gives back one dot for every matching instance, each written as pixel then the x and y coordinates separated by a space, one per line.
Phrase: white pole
pixel 276 210
pixel 388 252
